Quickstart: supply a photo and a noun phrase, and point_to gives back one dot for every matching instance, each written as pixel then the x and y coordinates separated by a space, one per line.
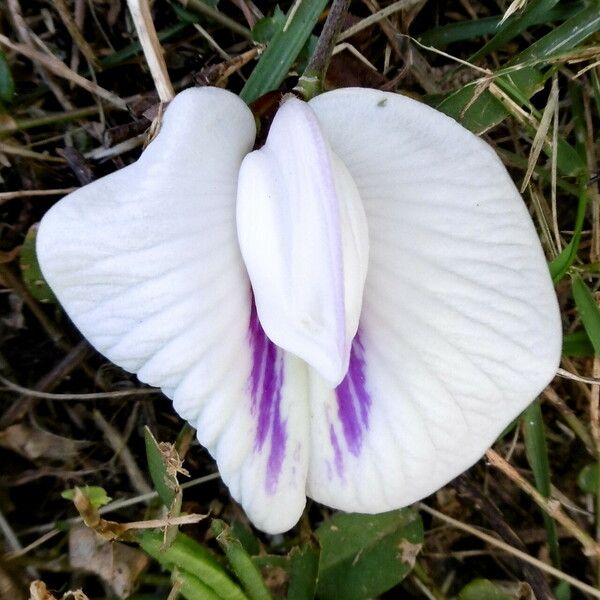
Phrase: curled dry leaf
pixel 34 443
pixel 118 565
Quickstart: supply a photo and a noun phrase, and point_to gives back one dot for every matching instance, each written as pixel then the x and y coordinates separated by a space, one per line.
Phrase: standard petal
pixel 304 239
pixel 460 328
pixel 146 263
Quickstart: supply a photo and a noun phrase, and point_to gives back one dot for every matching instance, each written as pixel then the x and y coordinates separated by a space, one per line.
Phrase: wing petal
pixel 147 265
pixel 460 327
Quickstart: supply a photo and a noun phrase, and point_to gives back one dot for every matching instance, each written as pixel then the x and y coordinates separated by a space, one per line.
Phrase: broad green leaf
pixel 240 562
pixel 164 483
pixel 188 556
pixel 480 589
pixel 577 344
pixel 95 494
pixel 7 84
pixel 267 27
pixel 588 311
pixel 304 570
pixel 365 555
pixel 283 50
pixel 30 269
pixel 587 480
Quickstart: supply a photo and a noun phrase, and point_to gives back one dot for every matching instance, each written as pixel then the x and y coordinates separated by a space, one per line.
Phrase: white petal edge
pixel 460 328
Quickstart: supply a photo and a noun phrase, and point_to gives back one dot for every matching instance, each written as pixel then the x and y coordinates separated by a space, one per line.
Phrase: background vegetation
pixel 77 102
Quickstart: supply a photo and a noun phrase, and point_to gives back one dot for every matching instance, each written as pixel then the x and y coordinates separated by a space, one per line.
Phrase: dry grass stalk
pixel 56 66
pixel 142 19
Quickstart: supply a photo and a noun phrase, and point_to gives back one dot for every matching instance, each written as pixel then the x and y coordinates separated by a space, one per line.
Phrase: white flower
pixel 358 327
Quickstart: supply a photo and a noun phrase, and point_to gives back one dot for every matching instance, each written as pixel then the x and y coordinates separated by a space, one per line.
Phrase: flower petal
pixel 304 239
pixel 146 263
pixel 460 328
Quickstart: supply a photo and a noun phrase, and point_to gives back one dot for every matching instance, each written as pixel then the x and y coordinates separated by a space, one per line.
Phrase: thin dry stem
pixel 142 19
pixel 584 587
pixel 56 66
pixel 550 506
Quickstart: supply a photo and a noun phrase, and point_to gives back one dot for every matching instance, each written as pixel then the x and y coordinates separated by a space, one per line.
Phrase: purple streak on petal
pixel 266 379
pixel 337 453
pixel 353 399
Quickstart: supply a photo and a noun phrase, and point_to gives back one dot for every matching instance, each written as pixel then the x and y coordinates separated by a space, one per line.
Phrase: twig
pixel 142 19
pixel 124 454
pixel 574 377
pixel 584 587
pixel 551 506
pixel 75 33
pixel 376 17
pixel 119 504
pixel 570 418
pixel 5 196
pixel 311 82
pixel 11 385
pixel 26 153
pixel 57 67
pixel 204 9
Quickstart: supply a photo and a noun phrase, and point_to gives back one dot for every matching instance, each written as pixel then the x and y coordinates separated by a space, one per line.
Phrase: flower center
pixel 303 236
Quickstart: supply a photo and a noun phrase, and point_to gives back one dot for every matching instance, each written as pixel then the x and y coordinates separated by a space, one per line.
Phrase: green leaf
pixel 267 27
pixel 537 456
pixel 95 494
pixel 164 483
pixel 304 570
pixel 190 557
pixel 479 589
pixel 562 263
pixel 365 555
pixel 240 562
pixel 282 51
pixel 577 344
pixel 7 84
pixel 588 311
pixel 440 37
pixel 192 588
pixel 587 480
pixel 516 24
pixel 487 110
pixel 30 269
pixel 565 37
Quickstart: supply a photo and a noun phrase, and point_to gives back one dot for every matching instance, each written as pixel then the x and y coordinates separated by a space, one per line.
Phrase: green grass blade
pixel 588 311
pixel 566 36
pixel 460 31
pixel 537 455
pixel 304 570
pixel 240 562
pixel 279 56
pixel 562 263
pixel 188 556
pixel 517 24
pixel 191 588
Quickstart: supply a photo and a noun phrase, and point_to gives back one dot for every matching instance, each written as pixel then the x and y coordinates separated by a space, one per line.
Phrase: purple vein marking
pixel 266 379
pixel 353 399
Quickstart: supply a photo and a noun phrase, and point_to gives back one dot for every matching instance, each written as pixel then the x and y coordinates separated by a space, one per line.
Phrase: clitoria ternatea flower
pixel 356 321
